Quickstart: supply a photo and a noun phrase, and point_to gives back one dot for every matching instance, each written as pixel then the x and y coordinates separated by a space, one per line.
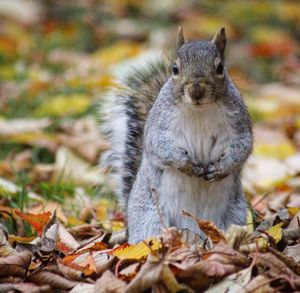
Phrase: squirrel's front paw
pixel 215 171
pixel 198 169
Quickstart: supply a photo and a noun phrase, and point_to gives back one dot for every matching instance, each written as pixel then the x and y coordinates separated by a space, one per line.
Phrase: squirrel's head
pixel 199 74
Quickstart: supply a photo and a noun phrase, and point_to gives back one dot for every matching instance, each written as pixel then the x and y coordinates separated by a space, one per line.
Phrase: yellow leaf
pixel 117 52
pixel 276 232
pixel 64 105
pixel 73 221
pixel 249 221
pixel 115 226
pixel 280 151
pixel 137 251
pixel 293 210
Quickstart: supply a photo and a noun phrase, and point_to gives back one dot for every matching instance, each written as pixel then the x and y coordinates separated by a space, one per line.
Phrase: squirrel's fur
pixel 124 113
pixel 186 138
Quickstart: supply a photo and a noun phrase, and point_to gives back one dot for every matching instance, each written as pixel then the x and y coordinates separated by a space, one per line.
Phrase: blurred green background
pixel 55 49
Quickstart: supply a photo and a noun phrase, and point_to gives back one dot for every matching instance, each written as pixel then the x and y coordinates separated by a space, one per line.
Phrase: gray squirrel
pixel 180 135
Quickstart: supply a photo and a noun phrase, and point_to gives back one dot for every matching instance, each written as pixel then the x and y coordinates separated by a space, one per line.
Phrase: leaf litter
pixel 59 261
pixel 60 234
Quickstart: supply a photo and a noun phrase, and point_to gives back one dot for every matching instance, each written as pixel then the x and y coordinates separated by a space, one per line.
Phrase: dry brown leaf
pixel 5 247
pixel 277 268
pixel 153 272
pixel 19 126
pixel 171 283
pixel 150 273
pixel 84 138
pixel 83 288
pixel 55 281
pixel 24 287
pixel 233 283
pixel 86 231
pixel 71 168
pixel 70 273
pixel 15 265
pixel 109 283
pixel 185 257
pixel 49 238
pixel 209 228
pixel 66 240
pixel 259 284
pixel 118 237
pixel 128 273
pixel 293 251
pixel 220 262
pixel 102 261
pixel 236 236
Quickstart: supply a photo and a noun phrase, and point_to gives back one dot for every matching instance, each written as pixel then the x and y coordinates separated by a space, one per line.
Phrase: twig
pixel 154 192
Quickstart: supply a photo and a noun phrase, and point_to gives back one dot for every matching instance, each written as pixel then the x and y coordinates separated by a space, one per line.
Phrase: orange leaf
pixel 83 262
pixel 209 228
pixel 37 221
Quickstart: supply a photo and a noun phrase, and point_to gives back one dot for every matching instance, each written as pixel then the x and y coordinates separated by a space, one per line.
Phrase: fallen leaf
pixel 23 287
pixel 276 232
pixel 259 284
pixel 64 105
pixel 15 265
pixel 37 221
pixel 263 174
pixel 83 262
pixel 209 228
pixel 5 247
pixel 20 126
pixel 66 242
pixel 136 251
pixel 128 273
pixel 234 283
pixel 218 263
pixel 272 143
pixel 236 236
pixel 154 271
pixel 102 261
pixel 293 251
pixel 71 168
pixel 84 288
pixel 55 281
pixel 70 273
pixel 109 283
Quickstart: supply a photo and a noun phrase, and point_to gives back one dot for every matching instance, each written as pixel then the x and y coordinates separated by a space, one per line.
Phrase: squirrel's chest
pixel 205 133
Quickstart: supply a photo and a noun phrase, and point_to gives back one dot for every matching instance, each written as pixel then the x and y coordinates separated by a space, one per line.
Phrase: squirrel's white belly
pixel 206 200
pixel 205 135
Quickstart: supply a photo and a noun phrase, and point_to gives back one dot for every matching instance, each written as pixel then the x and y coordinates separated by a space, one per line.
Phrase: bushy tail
pixel 123 114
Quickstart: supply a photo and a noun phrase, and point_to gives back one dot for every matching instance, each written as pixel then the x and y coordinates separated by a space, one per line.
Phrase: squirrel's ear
pixel 180 39
pixel 220 41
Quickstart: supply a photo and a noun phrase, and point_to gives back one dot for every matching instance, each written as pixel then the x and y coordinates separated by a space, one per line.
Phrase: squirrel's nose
pixel 196 91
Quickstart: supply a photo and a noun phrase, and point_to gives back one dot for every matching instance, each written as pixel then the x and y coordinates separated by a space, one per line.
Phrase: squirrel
pixel 180 135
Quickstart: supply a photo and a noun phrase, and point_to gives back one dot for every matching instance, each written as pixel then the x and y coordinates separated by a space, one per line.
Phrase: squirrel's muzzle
pixel 196 91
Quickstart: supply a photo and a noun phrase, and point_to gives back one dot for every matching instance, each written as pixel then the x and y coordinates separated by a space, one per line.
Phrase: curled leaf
pixel 15 265
pixel 52 279
pixel 209 228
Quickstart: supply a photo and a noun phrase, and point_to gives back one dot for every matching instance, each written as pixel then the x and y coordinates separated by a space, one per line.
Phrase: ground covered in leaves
pixel 61 228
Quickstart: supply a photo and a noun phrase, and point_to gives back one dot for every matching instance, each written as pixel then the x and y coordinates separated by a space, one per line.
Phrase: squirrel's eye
pixel 175 69
pixel 220 69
